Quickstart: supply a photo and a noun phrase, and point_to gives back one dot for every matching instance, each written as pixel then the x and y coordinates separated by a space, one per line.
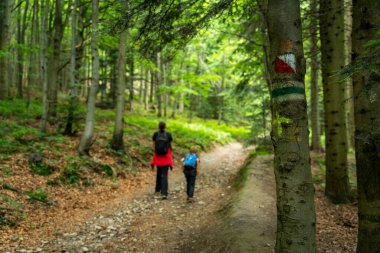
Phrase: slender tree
pixel 32 71
pixel 5 31
pixel 21 28
pixel 158 79
pixel 44 63
pixel 366 24
pixel 295 192
pixel 118 133
pixel 333 59
pixel 314 69
pixel 131 77
pixel 86 139
pixel 73 73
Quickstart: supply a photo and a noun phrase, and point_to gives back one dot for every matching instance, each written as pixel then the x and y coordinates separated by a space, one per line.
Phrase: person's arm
pixel 182 160
pixel 198 162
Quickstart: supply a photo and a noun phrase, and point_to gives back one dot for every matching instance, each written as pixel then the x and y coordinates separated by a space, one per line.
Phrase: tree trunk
pixel 5 31
pixel 73 74
pixel 158 85
pixel 131 77
pixel 21 28
pixel 366 24
pixel 86 140
pixel 294 185
pixel 314 66
pixel 32 71
pixel 165 93
pixel 146 101
pixel 44 61
pixel 141 99
pixel 349 89
pixel 152 84
pixel 53 60
pixel 117 139
pixel 333 59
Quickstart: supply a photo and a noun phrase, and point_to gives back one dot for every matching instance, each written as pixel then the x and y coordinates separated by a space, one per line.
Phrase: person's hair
pixel 162 126
pixel 193 149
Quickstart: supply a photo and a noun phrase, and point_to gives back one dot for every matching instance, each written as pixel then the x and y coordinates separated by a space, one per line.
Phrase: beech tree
pixel 117 139
pixel 294 187
pixel 86 139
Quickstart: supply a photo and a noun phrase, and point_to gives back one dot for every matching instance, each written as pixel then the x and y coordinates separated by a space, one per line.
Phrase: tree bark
pixel 366 24
pixel 146 101
pixel 165 93
pixel 86 140
pixel 118 133
pixel 294 185
pixel 158 85
pixel 314 69
pixel 53 60
pixel 131 77
pixel 44 62
pixel 21 28
pixel 349 89
pixel 333 59
pixel 32 71
pixel 5 29
pixel 73 74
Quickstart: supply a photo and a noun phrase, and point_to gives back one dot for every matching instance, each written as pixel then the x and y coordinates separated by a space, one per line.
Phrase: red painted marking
pixel 282 67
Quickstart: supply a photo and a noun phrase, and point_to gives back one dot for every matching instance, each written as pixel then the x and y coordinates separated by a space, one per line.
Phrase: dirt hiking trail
pixel 140 222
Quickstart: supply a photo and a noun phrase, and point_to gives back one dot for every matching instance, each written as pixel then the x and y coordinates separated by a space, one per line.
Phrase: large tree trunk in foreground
pixel 295 191
pixel 86 140
pixel 333 59
pixel 118 133
pixel 366 23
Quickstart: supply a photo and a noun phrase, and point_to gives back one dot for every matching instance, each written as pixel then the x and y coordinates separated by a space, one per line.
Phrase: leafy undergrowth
pixel 42 171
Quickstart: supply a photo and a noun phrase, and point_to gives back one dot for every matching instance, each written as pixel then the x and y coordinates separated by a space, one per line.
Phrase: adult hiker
pixel 162 158
pixel 191 169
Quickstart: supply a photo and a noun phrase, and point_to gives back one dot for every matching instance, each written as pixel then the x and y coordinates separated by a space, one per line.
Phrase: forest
pixel 280 97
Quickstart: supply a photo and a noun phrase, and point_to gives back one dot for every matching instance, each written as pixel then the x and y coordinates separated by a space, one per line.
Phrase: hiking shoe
pixel 190 199
pixel 164 197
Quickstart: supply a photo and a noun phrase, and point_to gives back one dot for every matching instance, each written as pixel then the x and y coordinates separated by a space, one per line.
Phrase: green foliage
pixel 243 173
pixel 17 108
pixel 38 194
pixel 71 174
pixel 41 169
pixel 107 169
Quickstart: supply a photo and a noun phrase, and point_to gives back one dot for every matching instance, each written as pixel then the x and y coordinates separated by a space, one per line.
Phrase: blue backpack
pixel 190 160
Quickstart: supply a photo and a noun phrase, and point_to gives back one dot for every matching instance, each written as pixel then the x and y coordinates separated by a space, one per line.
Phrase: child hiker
pixel 191 169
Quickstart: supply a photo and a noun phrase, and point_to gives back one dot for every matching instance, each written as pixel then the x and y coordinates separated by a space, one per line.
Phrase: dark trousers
pixel 162 180
pixel 190 174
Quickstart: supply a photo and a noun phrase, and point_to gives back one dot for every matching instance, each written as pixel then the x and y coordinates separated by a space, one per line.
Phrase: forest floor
pixel 129 218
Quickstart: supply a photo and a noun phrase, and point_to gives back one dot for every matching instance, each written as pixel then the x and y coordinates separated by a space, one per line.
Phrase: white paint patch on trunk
pixel 289 59
pixel 288 97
